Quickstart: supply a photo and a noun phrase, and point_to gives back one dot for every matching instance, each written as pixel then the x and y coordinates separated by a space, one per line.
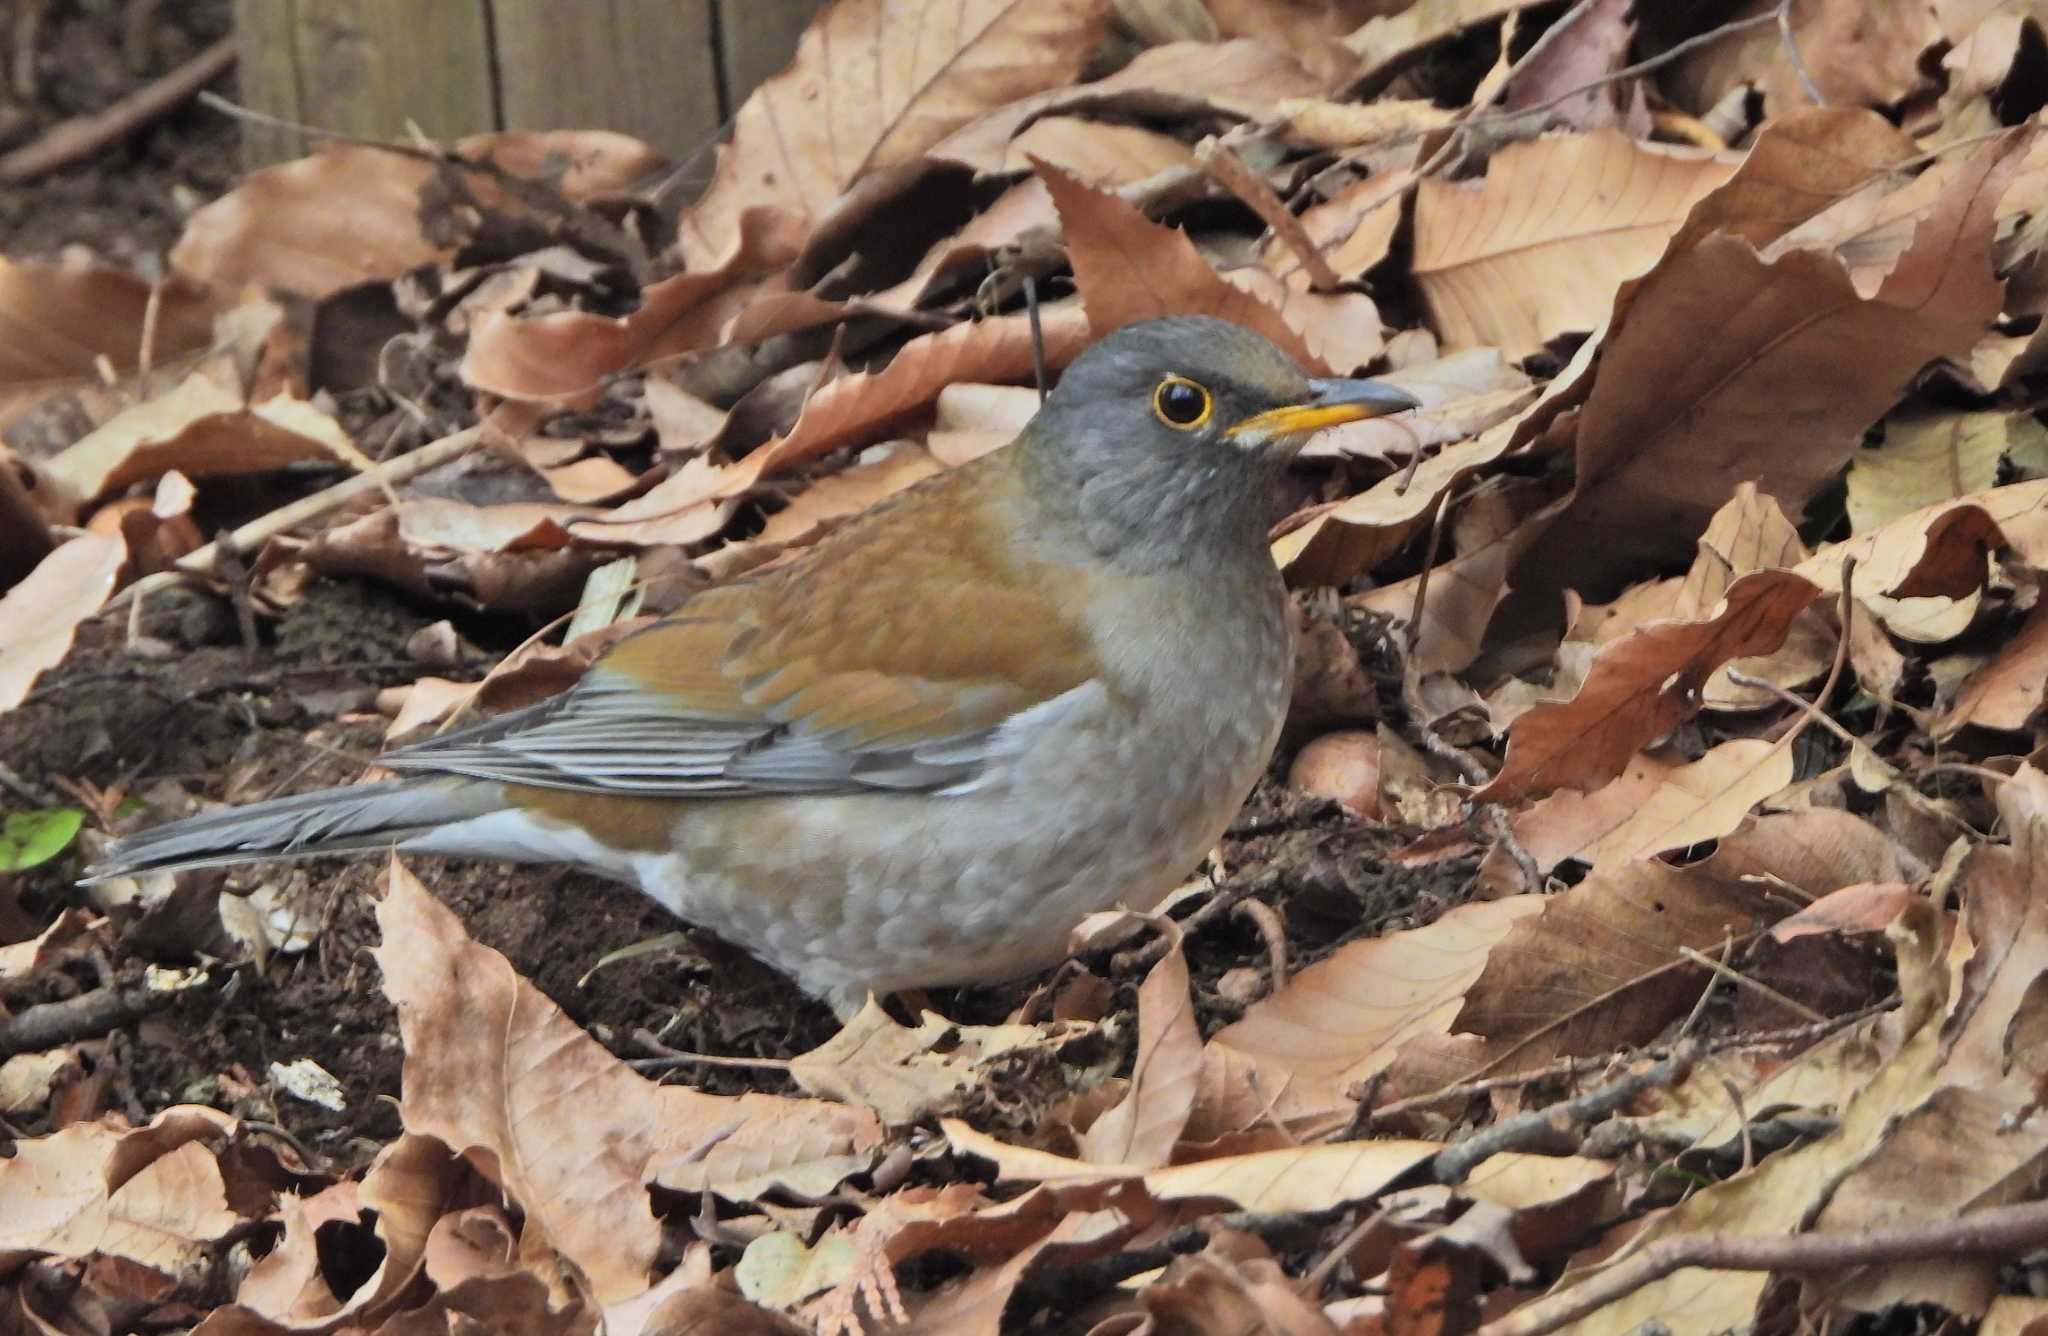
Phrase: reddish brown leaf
pixel 1641 686
pixel 1131 268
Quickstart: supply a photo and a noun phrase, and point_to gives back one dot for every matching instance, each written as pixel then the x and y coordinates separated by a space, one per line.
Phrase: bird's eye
pixel 1181 404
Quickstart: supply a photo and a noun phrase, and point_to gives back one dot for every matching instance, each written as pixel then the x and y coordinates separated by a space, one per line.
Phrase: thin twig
pixel 1267 923
pixel 82 136
pixel 666 1057
pixel 265 527
pixel 86 1016
pixel 1228 170
pixel 1536 1127
pixel 1791 43
pixel 1997 1232
pixel 1311 1284
pixel 1741 980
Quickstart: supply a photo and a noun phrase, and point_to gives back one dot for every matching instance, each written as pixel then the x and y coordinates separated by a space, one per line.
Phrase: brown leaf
pixel 1187 80
pixel 1143 1129
pixel 1800 364
pixel 154 1195
pixel 39 616
pixel 564 359
pixel 1596 45
pixel 2008 691
pixel 1389 41
pixel 1308 30
pixel 351 213
pixel 1300 1178
pixel 854 408
pixel 1130 268
pixel 1798 166
pixel 1343 1019
pixel 1641 686
pixel 1925 458
pixel 1333 544
pixel 201 429
pixel 1536 248
pixel 1856 55
pixel 572 1135
pixel 905 1073
pixel 875 84
pixel 1597 967
pixel 58 321
pixel 1697 802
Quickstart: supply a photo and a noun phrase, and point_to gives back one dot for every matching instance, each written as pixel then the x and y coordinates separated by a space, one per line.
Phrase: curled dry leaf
pixel 351 213
pixel 1641 686
pixel 1856 56
pixel 905 1073
pixel 1535 249
pixel 2008 691
pixel 573 1136
pixel 1698 802
pixel 855 408
pixel 1333 544
pixel 875 84
pixel 565 358
pixel 519 560
pixel 154 1195
pixel 1142 1130
pixel 1926 458
pixel 39 616
pixel 1939 1128
pixel 200 429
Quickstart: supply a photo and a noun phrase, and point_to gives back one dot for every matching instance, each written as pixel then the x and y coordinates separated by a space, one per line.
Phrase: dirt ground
pixel 128 203
pixel 202 716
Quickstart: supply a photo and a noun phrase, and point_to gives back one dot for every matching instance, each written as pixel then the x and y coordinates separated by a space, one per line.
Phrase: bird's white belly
pixel 1091 807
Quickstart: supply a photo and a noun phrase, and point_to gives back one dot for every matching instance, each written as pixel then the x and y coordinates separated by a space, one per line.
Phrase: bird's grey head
pixel 1168 434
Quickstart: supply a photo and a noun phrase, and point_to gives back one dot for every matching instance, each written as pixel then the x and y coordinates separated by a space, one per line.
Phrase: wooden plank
pixel 638 66
pixel 758 39
pixel 268 79
pixel 368 67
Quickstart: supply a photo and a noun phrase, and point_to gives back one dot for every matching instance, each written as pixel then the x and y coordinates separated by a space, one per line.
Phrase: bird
pixel 1031 687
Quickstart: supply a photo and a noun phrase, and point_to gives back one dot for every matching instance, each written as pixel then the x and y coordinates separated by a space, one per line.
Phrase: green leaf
pixel 29 838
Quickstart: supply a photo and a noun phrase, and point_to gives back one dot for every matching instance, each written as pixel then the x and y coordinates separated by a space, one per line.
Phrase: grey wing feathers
pixel 607 735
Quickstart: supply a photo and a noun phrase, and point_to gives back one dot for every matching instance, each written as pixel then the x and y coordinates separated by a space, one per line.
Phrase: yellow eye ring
pixel 1181 404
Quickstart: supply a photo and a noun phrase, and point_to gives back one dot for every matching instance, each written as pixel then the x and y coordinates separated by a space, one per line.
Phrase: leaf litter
pixel 1705 590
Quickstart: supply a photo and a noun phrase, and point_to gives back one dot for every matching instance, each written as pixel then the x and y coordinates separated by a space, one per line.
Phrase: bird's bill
pixel 1334 402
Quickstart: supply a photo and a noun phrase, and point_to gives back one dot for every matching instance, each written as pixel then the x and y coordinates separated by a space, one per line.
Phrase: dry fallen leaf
pixel 352 213
pixel 875 84
pixel 39 616
pixel 569 1132
pixel 1642 684
pixel 1800 364
pixel 1541 245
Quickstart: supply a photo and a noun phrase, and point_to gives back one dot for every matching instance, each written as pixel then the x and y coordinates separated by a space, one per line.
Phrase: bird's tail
pixel 329 821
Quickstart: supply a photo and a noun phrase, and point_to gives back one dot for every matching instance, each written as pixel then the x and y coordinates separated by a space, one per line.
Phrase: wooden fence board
pixel 669 71
pixel 644 67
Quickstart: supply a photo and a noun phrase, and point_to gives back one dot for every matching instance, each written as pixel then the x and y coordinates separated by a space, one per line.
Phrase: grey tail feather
pixel 328 821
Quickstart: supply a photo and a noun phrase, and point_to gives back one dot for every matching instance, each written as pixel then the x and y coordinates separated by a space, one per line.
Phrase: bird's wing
pixel 889 657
